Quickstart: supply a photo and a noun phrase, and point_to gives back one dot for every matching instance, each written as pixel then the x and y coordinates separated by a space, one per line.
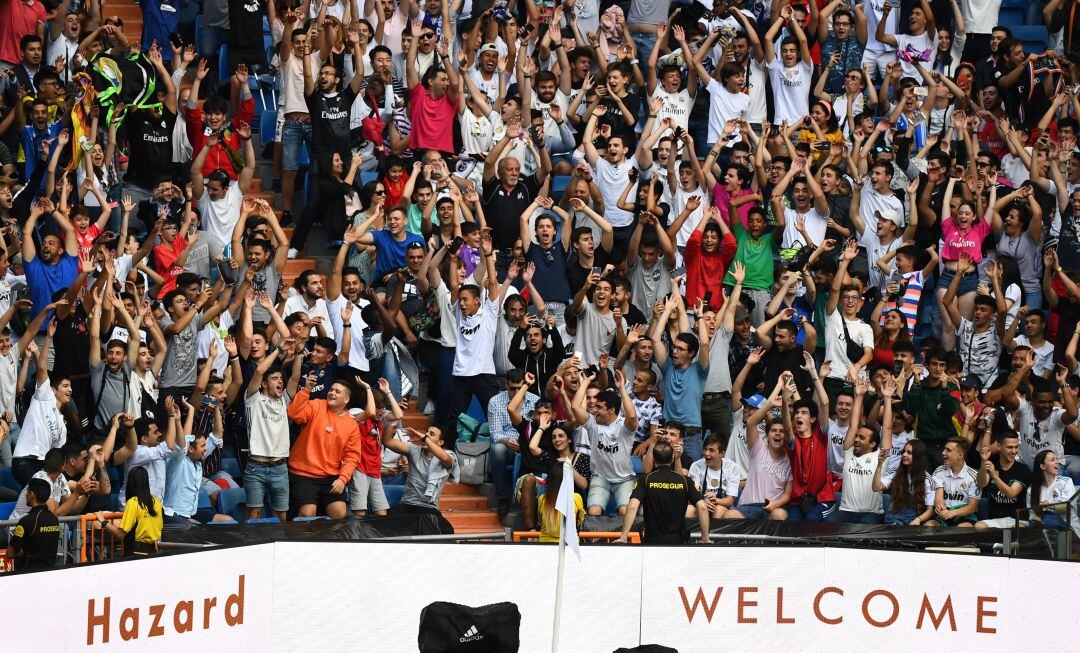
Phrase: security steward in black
pixel 36 538
pixel 666 497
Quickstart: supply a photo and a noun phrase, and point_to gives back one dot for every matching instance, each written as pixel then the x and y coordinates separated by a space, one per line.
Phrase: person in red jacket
pixel 327 452
pixel 709 252
pixel 228 153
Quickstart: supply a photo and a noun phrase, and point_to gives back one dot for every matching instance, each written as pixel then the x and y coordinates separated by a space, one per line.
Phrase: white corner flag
pixel 565 505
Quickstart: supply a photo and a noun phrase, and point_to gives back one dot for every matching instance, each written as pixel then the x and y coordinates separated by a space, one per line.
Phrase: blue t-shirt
pixel 683 390
pixel 160 19
pixel 550 278
pixel 43 280
pixel 391 253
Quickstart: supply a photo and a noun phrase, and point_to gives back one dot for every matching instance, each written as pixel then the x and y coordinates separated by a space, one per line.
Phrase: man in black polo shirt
pixel 506 194
pixel 1003 480
pixel 665 496
pixel 149 137
pixel 36 539
pixel 329 105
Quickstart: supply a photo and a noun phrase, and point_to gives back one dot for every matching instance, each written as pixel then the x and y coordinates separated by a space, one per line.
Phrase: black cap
pixel 970 381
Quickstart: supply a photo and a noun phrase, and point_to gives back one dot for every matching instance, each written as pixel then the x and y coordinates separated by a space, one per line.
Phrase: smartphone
pixel 678 272
pixel 455 246
pixel 596 270
pixel 921 91
pixel 708 298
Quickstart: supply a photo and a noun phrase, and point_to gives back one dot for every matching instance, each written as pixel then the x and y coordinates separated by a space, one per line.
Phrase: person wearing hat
pixel 970 389
pixel 878 215
pixel 485 75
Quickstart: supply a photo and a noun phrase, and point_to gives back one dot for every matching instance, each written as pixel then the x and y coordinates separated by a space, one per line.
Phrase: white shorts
pixel 366 493
pixel 878 62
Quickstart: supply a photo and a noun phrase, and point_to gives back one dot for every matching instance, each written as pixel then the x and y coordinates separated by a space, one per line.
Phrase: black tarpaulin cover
pixel 365 528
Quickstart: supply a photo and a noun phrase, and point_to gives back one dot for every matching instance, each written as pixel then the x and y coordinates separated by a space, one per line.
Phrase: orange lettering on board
pixel 746 603
pixel 699 599
pixel 817 605
pixel 129 624
pixel 95 620
pixel 780 618
pixel 185 625
pixel 981 612
pixel 866 612
pixel 936 620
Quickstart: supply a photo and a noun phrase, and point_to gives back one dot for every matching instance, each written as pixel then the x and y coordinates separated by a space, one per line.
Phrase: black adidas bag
pixel 455 628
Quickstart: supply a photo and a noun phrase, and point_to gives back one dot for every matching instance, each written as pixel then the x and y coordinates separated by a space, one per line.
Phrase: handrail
pixel 635 538
pixel 88 538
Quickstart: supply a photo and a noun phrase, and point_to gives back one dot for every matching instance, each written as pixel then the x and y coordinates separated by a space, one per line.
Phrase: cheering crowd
pixel 820 260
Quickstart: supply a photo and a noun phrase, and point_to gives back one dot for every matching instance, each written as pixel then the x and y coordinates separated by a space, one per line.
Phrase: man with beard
pixel 859 503
pixel 55 267
pixel 310 300
pixel 343 287
pixel 485 75
pixel 540 359
pixel 985 51
pixel 264 261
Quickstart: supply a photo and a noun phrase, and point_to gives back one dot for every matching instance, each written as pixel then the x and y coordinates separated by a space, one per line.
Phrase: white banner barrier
pixel 212 601
pixel 367 596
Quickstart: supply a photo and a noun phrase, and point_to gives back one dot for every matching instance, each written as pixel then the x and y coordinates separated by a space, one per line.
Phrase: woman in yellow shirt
pixel 141 525
pixel 550 518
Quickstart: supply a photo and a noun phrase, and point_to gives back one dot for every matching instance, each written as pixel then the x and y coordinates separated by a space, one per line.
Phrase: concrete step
pixel 462 503
pixel 486 520
pixel 460 489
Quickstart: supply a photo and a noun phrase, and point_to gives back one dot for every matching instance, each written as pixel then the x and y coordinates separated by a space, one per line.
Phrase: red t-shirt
pixel 165 263
pixel 705 271
pixel 86 238
pixel 370 449
pixel 810 467
pixel 432 120
pixel 18 19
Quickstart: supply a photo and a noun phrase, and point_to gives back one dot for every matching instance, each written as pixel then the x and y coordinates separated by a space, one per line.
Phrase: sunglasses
pixel 982 164
pixel 379 192
pixel 428 35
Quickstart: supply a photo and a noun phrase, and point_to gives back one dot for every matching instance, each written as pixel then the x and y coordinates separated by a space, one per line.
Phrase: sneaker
pixel 293 252
pixel 429 408
pixel 504 507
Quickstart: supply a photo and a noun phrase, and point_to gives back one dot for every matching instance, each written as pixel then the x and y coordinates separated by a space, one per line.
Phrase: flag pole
pixel 558 591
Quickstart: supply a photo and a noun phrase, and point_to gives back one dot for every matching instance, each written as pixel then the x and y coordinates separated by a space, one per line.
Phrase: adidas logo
pixel 471 635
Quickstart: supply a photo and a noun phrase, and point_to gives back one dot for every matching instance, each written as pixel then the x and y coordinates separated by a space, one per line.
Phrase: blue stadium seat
pixel 1011 17
pixel 6 509
pixel 7 479
pixel 1034 37
pixel 114 475
pixel 229 522
pixel 316 518
pixel 231 502
pixel 368 177
pixel 268 127
pixel 198 30
pixel 559 184
pixel 223 64
pixel 639 466
pixel 232 467
pixel 264 520
pixel 394 493
pixel 204 500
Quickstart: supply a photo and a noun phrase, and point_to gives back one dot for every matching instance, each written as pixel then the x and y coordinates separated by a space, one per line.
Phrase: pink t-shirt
pixel 970 240
pixel 767 477
pixel 721 197
pixel 432 121
pixel 17 19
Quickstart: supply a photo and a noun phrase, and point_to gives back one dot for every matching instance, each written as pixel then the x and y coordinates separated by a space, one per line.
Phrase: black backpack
pixel 455 628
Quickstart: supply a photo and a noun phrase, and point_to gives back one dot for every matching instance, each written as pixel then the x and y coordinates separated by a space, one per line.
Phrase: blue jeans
pixel 693 443
pixel 902 518
pixel 501 466
pixel 845 517
pixel 645 44
pixel 294 134
pixel 262 482
pixel 210 41
pixel 818 512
